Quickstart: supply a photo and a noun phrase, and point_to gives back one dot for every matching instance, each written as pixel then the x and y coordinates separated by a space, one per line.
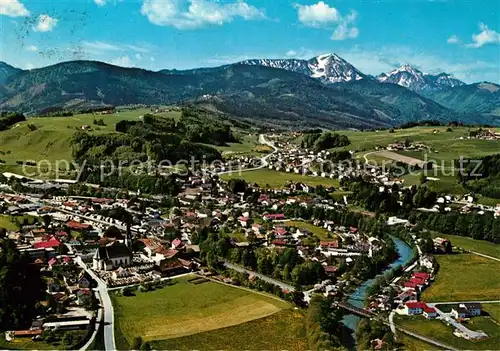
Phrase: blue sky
pixel 459 37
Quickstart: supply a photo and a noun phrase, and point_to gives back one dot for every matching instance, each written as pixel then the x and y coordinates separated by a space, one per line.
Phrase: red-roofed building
pixel 280 231
pixel 273 216
pixel 430 312
pixel 334 244
pixel 168 253
pixel 27 333
pixel 150 246
pixel 51 243
pixel 70 205
pixel 279 242
pixel 418 281
pixel 415 307
pixel 422 275
pixel 73 225
pixel 410 285
pixel 330 270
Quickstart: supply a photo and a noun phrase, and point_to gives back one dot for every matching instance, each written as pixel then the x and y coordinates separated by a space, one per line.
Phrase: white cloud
pixel 486 36
pixel 453 39
pixel 31 48
pixel 45 23
pixel 138 56
pixel 13 8
pixel 100 46
pixel 198 13
pixel 343 31
pixel 317 15
pixel 100 2
pixel 152 59
pixel 291 53
pixel 29 65
pixel 137 48
pixel 123 61
pixel 322 15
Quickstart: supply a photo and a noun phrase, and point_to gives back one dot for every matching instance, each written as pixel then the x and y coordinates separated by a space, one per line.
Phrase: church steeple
pixel 128 237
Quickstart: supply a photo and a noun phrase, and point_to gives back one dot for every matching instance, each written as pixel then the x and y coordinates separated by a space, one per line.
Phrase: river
pixel 358 296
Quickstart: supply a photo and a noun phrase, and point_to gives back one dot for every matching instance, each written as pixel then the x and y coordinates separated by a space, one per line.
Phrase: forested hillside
pixel 271 95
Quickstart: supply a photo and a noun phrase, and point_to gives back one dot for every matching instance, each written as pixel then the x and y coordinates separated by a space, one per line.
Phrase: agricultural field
pixel 448 144
pixel 437 330
pixel 267 178
pixel 464 277
pixel 185 308
pixel 413 344
pixel 249 146
pixel 470 244
pixel 283 330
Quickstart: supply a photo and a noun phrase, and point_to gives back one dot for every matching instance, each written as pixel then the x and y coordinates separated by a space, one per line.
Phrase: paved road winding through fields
pixel 263 160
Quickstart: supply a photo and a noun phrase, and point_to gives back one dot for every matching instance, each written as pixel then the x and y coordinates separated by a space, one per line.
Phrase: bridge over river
pixel 356 310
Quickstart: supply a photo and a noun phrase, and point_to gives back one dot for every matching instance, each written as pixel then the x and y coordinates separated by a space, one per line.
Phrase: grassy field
pixel 470 244
pixel 267 178
pixel 413 344
pixel 284 330
pixel 321 233
pixel 448 144
pixel 464 277
pixel 445 146
pixel 49 139
pixel 184 309
pixel 437 330
pixel 5 222
pixel 249 146
pixel 493 310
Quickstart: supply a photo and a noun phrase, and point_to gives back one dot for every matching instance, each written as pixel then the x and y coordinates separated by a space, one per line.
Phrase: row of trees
pixel 481 227
pixel 369 196
pixel 21 288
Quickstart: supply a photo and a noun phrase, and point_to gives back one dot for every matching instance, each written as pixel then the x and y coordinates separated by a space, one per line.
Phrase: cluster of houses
pixel 68 299
pixel 483 134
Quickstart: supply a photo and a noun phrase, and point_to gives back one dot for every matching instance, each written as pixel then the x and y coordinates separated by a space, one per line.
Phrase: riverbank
pixel 357 298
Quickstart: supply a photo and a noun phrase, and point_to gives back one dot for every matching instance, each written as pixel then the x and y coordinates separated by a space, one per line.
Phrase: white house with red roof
pixel 414 308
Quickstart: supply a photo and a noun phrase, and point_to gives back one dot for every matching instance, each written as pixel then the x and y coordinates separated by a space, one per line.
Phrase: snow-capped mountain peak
pixel 413 79
pixel 329 68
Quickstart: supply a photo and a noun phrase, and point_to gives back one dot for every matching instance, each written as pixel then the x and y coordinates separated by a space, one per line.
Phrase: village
pixel 85 244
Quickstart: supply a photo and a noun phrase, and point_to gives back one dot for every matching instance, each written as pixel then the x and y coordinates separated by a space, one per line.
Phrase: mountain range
pixel 325 91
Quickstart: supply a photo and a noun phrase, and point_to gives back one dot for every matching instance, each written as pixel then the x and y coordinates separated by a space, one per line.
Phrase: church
pixel 114 255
